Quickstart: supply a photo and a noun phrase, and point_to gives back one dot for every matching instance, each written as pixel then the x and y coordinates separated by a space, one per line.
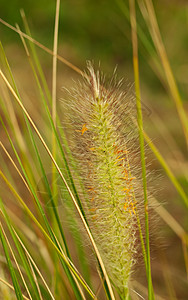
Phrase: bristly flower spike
pixel 106 154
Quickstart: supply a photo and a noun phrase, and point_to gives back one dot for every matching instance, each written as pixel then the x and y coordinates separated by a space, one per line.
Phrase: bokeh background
pixel 100 31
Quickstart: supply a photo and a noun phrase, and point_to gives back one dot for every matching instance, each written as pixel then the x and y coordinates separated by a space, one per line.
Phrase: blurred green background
pixel 98 30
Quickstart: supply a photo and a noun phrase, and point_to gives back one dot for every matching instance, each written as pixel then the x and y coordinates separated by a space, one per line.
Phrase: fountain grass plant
pixel 101 177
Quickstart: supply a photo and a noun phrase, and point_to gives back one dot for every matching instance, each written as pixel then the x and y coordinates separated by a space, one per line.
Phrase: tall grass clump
pixel 74 217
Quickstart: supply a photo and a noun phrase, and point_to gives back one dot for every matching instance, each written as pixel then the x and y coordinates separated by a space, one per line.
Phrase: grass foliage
pixel 76 210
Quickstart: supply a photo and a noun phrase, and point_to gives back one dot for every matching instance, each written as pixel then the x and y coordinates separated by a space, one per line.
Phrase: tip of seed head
pixel 93 80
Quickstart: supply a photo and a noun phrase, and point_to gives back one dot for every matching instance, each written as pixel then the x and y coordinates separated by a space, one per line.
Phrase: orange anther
pixel 121 158
pixel 84 128
pixel 125 206
pixel 90 188
pixel 93 209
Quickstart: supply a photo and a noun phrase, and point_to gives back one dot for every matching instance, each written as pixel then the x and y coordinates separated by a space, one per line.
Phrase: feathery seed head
pixel 106 156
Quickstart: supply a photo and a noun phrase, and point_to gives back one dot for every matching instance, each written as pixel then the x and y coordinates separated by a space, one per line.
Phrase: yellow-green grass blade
pixel 65 182
pixel 30 132
pixel 56 135
pixel 21 253
pixel 50 195
pixel 12 120
pixel 53 126
pixel 42 213
pixel 146 47
pixel 35 57
pixel 55 131
pixel 156 36
pixel 58 250
pixel 152 50
pixel 45 86
pixel 15 280
pixel 54 112
pixel 33 263
pixel 36 197
pixel 5 167
pixel 141 139
pixel 29 240
pixel 167 169
pixel 83 262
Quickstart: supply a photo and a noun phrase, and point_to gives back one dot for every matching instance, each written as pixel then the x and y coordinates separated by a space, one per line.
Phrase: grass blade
pixel 167 169
pixel 141 138
pixel 10 266
pixel 156 36
pixel 59 251
pixel 20 251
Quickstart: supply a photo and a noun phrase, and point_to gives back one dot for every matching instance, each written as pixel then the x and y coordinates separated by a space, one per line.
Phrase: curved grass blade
pixel 20 251
pixel 60 58
pixel 11 269
pixel 11 287
pixel 59 251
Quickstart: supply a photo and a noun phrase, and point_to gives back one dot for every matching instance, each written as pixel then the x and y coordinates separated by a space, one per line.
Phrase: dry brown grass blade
pixel 11 287
pixel 137 285
pixel 174 225
pixel 167 276
pixel 175 158
pixel 168 219
pixel 46 49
